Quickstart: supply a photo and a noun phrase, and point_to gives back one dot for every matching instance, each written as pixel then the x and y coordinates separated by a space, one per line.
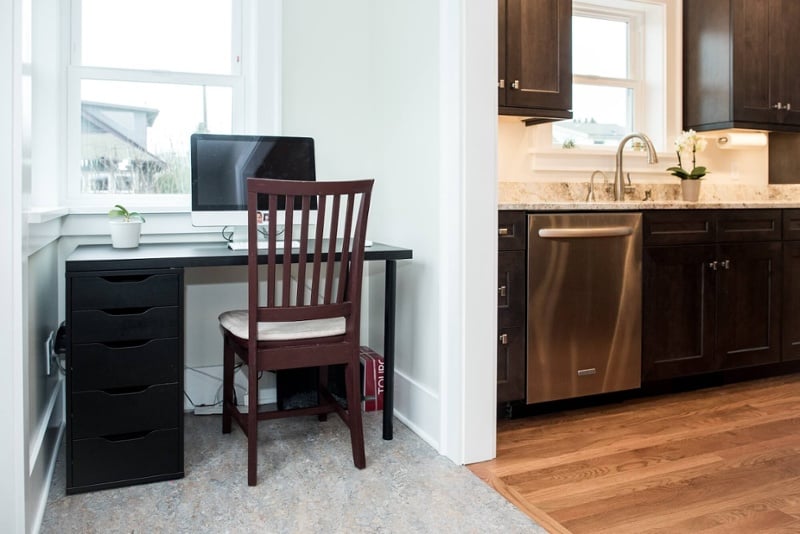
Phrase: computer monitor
pixel 221 165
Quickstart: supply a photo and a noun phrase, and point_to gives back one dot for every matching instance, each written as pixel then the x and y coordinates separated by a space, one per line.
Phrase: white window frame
pixel 660 64
pixel 254 81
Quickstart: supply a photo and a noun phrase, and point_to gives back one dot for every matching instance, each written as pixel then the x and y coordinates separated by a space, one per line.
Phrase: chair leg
pixel 322 381
pixel 352 380
pixel 227 385
pixel 252 423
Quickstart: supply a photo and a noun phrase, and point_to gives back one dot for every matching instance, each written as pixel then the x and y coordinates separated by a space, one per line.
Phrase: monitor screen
pixel 221 165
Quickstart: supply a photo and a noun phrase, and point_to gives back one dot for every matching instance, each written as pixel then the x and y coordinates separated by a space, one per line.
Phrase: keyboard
pixel 262 245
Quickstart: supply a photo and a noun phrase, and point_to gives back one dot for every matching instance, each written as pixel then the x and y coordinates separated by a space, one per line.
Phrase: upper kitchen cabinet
pixel 535 59
pixel 741 64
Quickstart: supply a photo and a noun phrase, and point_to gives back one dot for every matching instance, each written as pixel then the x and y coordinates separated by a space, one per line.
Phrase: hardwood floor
pixel 725 459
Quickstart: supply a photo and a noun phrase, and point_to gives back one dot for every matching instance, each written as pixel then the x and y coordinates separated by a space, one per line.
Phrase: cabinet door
pixel 511 364
pixel 785 57
pixel 748 304
pixel 501 52
pixel 678 311
pixel 752 98
pixel 538 59
pixel 791 300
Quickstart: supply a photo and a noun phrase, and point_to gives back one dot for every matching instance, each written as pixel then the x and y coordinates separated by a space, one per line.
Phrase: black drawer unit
pixel 124 378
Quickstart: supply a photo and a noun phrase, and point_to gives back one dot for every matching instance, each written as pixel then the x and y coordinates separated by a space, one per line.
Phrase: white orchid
pixel 689 141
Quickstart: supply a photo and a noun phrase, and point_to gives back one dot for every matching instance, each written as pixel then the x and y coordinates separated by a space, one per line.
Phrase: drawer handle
pixel 502 291
pixel 503 230
pixel 130 436
pixel 504 339
pixel 127 390
pixel 126 279
pixel 125 344
pixel 127 311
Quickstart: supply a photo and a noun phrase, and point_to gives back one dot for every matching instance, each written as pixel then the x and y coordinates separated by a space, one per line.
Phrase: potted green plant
pixel 126 227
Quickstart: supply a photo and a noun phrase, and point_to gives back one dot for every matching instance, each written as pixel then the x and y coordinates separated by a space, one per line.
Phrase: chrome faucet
pixel 619 181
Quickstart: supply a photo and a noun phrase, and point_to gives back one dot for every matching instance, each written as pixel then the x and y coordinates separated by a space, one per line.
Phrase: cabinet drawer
pixel 791 225
pixel 512 228
pixel 748 225
pixel 106 413
pixel 116 365
pixel 90 326
pixel 125 291
pixel 102 461
pixel 678 227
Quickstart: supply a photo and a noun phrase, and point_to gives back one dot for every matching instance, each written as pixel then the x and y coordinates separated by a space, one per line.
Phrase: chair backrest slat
pixel 338 242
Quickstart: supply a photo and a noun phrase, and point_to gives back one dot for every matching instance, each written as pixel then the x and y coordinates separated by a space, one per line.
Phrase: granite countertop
pixel 572 197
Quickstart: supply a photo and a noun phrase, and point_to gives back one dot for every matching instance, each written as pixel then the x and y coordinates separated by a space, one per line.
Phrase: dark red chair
pixel 307 313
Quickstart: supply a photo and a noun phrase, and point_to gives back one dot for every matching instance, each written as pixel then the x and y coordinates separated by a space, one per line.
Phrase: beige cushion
pixel 236 323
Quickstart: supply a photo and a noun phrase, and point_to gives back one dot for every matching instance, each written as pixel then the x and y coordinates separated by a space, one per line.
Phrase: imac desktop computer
pixel 221 165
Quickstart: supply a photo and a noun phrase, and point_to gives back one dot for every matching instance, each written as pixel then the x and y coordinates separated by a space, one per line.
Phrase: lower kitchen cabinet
pixel 511 304
pixel 712 306
pixel 791 300
pixel 678 311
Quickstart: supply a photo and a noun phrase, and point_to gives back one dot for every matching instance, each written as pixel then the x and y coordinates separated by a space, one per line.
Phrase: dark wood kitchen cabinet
pixel 535 59
pixel 511 305
pixel 740 64
pixel 791 285
pixel 711 291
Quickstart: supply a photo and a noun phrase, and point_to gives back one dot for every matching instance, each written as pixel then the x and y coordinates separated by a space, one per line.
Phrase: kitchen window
pixel 143 76
pixel 621 53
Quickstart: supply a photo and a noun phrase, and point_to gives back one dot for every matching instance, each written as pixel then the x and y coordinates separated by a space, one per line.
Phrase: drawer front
pixel 678 227
pixel 89 326
pixel 98 461
pixel 125 291
pixel 749 225
pixel 791 225
pixel 512 227
pixel 108 413
pixel 105 366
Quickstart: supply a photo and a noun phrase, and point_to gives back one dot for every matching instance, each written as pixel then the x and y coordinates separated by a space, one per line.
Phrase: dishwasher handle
pixel 600 231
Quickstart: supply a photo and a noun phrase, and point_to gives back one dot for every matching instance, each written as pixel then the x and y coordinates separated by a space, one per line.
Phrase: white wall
pixel 398 92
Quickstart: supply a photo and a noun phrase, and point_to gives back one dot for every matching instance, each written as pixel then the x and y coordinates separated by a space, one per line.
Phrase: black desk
pixel 96 258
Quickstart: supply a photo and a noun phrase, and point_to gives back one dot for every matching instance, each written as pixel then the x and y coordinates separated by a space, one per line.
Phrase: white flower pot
pixel 125 234
pixel 690 190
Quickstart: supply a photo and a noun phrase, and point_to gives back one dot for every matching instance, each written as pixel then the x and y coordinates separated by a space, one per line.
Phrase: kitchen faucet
pixel 652 157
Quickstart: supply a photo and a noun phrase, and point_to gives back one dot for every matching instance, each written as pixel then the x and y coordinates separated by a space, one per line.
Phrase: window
pixel 144 75
pixel 618 61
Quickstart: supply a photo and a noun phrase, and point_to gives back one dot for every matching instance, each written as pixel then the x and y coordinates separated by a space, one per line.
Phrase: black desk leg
pixel 388 348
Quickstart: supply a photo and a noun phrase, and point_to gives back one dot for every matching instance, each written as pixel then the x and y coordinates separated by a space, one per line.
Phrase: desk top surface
pixel 179 255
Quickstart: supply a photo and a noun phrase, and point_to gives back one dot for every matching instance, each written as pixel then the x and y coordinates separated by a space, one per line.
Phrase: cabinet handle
pixel 501 84
pixel 779 105
pixel 502 291
pixel 725 264
pixel 713 265
pixel 788 107
pixel 515 84
pixel 503 230
pixel 504 339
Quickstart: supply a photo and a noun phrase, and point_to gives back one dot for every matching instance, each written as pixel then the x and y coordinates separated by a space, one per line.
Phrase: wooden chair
pixel 310 313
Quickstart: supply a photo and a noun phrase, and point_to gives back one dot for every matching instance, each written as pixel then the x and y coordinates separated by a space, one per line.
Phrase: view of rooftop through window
pixel 602 93
pixel 140 104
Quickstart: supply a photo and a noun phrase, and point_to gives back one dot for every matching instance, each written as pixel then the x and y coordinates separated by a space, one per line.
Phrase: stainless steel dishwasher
pixel 584 304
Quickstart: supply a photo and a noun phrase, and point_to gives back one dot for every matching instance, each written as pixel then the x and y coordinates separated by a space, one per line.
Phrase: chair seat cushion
pixel 235 322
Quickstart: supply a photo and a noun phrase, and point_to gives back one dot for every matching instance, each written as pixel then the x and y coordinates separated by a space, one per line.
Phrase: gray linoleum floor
pixel 307 483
